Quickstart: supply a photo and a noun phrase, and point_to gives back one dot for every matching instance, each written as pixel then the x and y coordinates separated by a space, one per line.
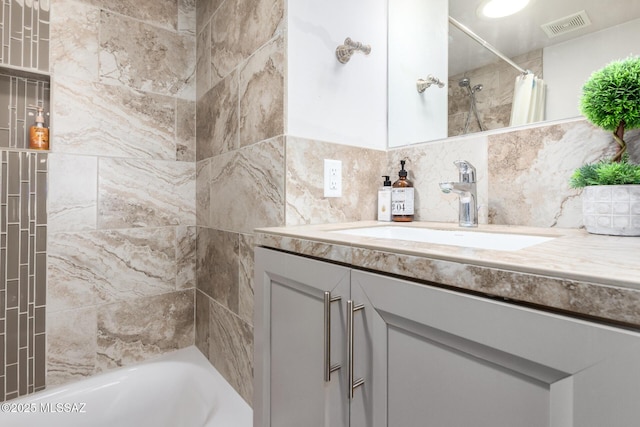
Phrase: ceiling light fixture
pixel 500 8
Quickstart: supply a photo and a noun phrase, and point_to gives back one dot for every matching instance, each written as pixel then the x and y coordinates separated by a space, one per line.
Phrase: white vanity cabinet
pixel 428 356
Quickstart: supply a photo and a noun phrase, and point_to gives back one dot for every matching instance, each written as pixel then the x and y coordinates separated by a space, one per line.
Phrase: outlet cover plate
pixel 332 178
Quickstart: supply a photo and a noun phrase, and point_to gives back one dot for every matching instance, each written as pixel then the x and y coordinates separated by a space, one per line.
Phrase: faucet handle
pixel 467 171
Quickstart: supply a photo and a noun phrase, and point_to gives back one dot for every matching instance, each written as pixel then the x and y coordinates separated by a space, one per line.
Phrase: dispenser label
pixel 402 201
pixel 38 138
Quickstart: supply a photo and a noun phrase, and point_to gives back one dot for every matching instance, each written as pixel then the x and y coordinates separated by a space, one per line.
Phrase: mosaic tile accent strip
pixel 23 242
pixel 18 93
pixel 25 33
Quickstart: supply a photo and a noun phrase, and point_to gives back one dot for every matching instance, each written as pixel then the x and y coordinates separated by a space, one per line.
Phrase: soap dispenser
pixel 384 200
pixel 38 133
pixel 402 197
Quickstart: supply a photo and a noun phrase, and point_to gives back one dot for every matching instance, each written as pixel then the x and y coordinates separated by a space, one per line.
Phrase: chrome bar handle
pixel 328 367
pixel 353 384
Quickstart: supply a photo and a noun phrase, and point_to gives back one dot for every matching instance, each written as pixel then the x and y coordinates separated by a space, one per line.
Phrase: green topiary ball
pixel 612 95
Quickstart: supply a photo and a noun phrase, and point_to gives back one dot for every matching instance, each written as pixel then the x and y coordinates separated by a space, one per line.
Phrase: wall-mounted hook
pixel 423 84
pixel 344 51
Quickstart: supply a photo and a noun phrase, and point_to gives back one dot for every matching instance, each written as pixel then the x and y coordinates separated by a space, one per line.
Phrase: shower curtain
pixel 528 100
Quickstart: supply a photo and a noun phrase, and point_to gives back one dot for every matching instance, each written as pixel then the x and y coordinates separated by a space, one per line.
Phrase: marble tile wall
pixel 243 162
pixel 240 172
pixel 122 211
pixel 495 99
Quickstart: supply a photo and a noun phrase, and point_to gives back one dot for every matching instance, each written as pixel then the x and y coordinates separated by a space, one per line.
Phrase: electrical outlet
pixel 332 178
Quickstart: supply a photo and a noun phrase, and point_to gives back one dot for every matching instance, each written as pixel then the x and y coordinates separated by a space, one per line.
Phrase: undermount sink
pixel 463 238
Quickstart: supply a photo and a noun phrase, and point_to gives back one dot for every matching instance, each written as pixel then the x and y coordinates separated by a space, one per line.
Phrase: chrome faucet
pixel 466 190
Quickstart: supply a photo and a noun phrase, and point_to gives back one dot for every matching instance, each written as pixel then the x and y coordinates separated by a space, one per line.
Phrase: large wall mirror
pixel 560 43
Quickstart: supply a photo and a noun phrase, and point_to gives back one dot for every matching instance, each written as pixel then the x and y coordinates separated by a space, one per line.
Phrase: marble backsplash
pixel 523 175
pixel 362 171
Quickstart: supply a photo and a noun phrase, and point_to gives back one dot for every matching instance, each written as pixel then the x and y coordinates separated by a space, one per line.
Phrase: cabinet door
pixel 432 357
pixel 290 386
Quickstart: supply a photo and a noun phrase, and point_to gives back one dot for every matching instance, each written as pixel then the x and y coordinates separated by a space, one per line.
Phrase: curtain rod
pixel 486 45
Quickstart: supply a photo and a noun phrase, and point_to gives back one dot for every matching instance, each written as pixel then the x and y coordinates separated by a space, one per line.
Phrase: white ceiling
pixel 521 33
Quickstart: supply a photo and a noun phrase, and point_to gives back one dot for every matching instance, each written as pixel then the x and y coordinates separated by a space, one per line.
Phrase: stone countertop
pixel 578 272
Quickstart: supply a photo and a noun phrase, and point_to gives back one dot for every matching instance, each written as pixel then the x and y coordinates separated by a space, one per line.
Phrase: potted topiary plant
pixel 611 194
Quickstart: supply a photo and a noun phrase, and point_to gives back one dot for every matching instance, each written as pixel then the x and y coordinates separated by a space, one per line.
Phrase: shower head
pixel 464 82
pixel 477 88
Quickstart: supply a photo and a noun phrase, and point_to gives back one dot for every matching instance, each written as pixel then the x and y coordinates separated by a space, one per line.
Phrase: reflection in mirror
pixel 561 43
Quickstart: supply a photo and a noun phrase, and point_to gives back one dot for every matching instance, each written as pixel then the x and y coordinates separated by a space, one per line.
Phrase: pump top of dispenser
pixel 39 113
pixel 387 181
pixel 402 173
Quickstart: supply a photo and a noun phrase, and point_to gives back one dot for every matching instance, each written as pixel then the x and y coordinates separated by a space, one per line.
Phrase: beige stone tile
pixel 163 13
pixel 138 329
pixel 203 62
pixel 72 198
pixel 74 40
pixel 432 163
pixel 329 251
pixel 231 349
pixel 71 345
pixel 217 266
pixel 97 119
pixel 185 130
pixel 185 257
pixel 262 94
pixel 529 173
pixel 585 298
pixel 202 322
pixel 246 278
pixel 632 138
pixel 143 193
pixel 361 171
pixel 239 28
pixel 187 16
pixel 258 21
pixel 203 192
pixel 217 119
pixel 145 57
pixel 89 268
pixel 247 187
pixel 204 12
pixel 225 38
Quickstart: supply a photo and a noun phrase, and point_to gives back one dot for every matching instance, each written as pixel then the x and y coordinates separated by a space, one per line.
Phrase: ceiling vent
pixel 567 24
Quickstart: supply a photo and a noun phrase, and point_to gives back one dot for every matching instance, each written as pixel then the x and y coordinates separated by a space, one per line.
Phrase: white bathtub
pixel 180 389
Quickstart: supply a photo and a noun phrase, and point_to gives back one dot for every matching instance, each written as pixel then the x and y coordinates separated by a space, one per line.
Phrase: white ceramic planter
pixel 612 209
